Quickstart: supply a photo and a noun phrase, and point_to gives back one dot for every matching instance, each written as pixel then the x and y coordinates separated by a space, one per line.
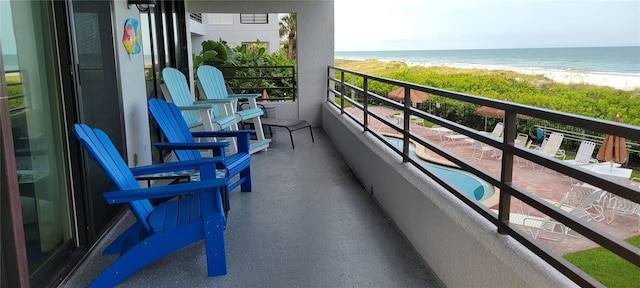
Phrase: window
pixel 254 18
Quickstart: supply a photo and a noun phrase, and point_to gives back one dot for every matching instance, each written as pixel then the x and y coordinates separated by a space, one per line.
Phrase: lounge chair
pixel 195 215
pixel 521 140
pixel 584 154
pixel 441 132
pixel 579 192
pixel 624 207
pixel 523 162
pixel 544 227
pixel 480 148
pixel 181 140
pixel 550 147
pixel 212 86
pixel 497 130
pixel 198 115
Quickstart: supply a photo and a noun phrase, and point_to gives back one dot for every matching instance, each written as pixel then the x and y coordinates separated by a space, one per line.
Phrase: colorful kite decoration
pixel 131 39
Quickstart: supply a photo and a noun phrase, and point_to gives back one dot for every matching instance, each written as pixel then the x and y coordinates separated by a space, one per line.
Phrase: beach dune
pixel 627 82
pixel 622 82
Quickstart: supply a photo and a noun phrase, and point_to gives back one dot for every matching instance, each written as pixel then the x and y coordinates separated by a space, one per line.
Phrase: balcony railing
pixel 340 83
pixel 279 81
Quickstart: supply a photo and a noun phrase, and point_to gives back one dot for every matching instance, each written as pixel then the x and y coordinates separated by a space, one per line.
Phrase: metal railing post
pixel 405 122
pixel 365 87
pixel 342 88
pixel 506 177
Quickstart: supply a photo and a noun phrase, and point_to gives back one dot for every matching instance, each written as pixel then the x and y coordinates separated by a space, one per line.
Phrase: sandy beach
pixel 619 81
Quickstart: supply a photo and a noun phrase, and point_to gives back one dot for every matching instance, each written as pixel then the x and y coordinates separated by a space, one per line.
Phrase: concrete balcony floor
pixel 307 223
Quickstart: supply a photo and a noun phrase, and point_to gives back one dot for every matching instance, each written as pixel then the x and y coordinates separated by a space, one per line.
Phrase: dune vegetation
pixel 535 90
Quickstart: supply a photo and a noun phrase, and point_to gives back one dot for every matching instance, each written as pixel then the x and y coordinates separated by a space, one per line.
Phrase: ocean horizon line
pixel 620 59
pixel 504 48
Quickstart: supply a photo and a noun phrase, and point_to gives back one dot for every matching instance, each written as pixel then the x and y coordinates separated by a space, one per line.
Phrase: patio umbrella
pixel 613 148
pixel 486 111
pixel 415 95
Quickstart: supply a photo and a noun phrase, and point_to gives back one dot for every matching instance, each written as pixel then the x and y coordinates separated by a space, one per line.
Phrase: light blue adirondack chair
pixel 210 116
pixel 211 84
pixel 174 128
pixel 196 215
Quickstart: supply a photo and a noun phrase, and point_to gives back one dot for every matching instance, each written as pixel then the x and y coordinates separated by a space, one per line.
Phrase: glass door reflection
pixel 31 65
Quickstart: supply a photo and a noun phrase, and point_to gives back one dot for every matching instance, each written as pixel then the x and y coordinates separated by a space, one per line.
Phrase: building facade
pixel 236 29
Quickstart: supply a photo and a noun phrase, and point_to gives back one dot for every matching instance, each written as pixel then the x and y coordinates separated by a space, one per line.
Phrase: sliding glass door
pixel 34 94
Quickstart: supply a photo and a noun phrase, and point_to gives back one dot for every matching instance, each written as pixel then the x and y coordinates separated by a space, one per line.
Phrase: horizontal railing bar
pixel 597 125
pixel 260 67
pixel 262 88
pixel 261 77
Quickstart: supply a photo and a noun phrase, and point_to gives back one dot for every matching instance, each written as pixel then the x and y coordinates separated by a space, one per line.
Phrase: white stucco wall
pixel 235 34
pixel 315 47
pixel 462 248
pixel 130 71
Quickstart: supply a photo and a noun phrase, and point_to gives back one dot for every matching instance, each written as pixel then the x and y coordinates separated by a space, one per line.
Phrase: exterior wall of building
pixel 236 33
pixel 133 90
pixel 315 47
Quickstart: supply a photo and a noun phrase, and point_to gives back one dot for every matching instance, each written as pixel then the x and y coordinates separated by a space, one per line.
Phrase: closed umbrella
pixel 613 148
pixel 415 95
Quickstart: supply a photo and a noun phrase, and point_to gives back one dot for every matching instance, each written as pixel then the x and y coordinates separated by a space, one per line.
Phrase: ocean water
pixel 614 60
pixel 617 60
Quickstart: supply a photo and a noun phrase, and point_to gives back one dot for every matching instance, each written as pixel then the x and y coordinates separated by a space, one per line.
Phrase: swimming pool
pixel 460 179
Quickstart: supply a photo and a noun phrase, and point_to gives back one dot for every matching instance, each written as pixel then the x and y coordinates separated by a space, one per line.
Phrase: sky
pixel 374 25
pixel 378 25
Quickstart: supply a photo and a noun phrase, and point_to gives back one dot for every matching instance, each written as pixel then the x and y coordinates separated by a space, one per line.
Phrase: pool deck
pixel 546 183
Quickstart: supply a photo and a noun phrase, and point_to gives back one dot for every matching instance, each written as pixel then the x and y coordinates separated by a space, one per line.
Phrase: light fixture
pixel 142 5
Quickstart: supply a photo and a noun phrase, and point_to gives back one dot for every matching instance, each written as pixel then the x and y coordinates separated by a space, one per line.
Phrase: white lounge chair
pixel 550 147
pixel 521 140
pixel 479 147
pixel 539 227
pixel 624 207
pixel 583 156
pixel 545 227
pixel 579 193
pixel 498 130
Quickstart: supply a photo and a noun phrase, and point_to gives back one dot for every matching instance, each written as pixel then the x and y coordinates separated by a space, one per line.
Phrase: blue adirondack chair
pixel 181 140
pixel 209 116
pixel 211 84
pixel 196 215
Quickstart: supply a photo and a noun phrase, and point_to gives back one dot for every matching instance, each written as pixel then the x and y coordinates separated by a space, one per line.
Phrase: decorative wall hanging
pixel 131 39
